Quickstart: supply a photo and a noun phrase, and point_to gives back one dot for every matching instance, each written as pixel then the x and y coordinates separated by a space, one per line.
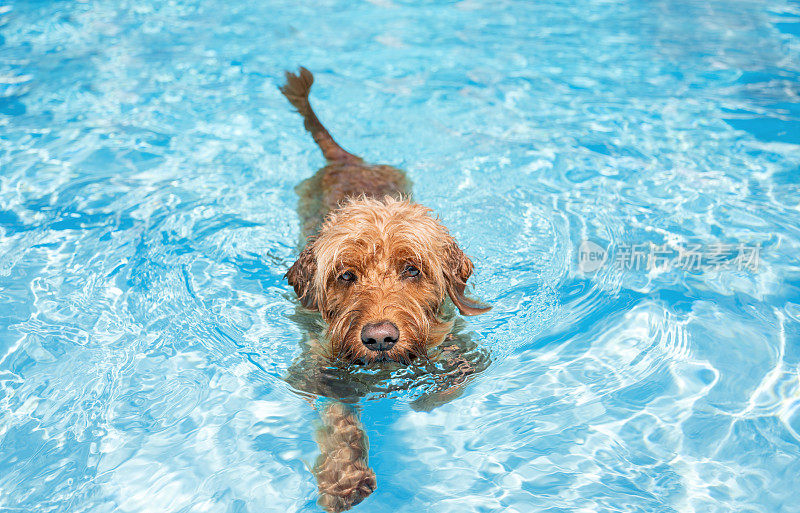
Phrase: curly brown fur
pixel 360 223
pixel 376 240
pixel 372 257
pixel 343 475
pixel 296 91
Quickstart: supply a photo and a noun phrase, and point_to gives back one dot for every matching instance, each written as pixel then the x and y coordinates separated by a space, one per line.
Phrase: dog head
pixel 378 272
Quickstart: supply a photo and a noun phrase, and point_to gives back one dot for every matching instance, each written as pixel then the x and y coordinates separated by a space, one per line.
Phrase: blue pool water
pixel 147 216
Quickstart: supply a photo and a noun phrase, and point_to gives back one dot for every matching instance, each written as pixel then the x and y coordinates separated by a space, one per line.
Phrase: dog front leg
pixel 343 475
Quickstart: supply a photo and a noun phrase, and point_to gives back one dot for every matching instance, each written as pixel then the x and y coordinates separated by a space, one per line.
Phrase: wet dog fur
pixel 372 254
pixel 378 268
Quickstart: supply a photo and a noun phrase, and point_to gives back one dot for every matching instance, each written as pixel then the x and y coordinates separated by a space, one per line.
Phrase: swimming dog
pixel 379 269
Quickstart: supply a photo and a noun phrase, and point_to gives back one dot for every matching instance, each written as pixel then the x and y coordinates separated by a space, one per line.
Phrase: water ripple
pixel 147 217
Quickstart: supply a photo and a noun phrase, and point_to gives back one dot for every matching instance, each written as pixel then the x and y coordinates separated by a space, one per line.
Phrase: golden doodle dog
pixel 378 268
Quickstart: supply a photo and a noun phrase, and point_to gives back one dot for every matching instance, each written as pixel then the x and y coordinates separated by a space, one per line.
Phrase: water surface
pixel 147 217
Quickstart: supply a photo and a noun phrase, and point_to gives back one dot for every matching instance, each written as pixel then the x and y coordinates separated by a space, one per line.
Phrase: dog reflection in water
pixel 378 269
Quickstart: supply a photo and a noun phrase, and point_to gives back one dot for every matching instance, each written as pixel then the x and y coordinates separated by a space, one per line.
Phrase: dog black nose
pixel 380 336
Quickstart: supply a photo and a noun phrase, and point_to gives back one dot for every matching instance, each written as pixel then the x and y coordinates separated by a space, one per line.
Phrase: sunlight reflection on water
pixel 147 217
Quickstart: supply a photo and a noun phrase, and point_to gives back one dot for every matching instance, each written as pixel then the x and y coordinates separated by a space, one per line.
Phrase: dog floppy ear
pixel 301 277
pixel 457 272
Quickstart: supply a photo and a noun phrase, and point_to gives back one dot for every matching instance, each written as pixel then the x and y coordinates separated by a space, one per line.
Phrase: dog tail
pixel 296 91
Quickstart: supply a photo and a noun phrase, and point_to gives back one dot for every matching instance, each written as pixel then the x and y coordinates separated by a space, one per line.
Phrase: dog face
pixel 378 272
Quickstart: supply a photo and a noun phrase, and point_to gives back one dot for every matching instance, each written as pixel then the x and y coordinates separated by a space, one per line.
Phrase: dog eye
pixel 411 271
pixel 347 276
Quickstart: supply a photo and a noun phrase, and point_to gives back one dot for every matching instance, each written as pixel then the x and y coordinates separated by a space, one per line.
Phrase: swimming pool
pixel 148 216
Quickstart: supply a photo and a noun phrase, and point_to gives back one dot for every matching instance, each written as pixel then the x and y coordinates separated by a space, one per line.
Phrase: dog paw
pixel 342 487
pixel 343 475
